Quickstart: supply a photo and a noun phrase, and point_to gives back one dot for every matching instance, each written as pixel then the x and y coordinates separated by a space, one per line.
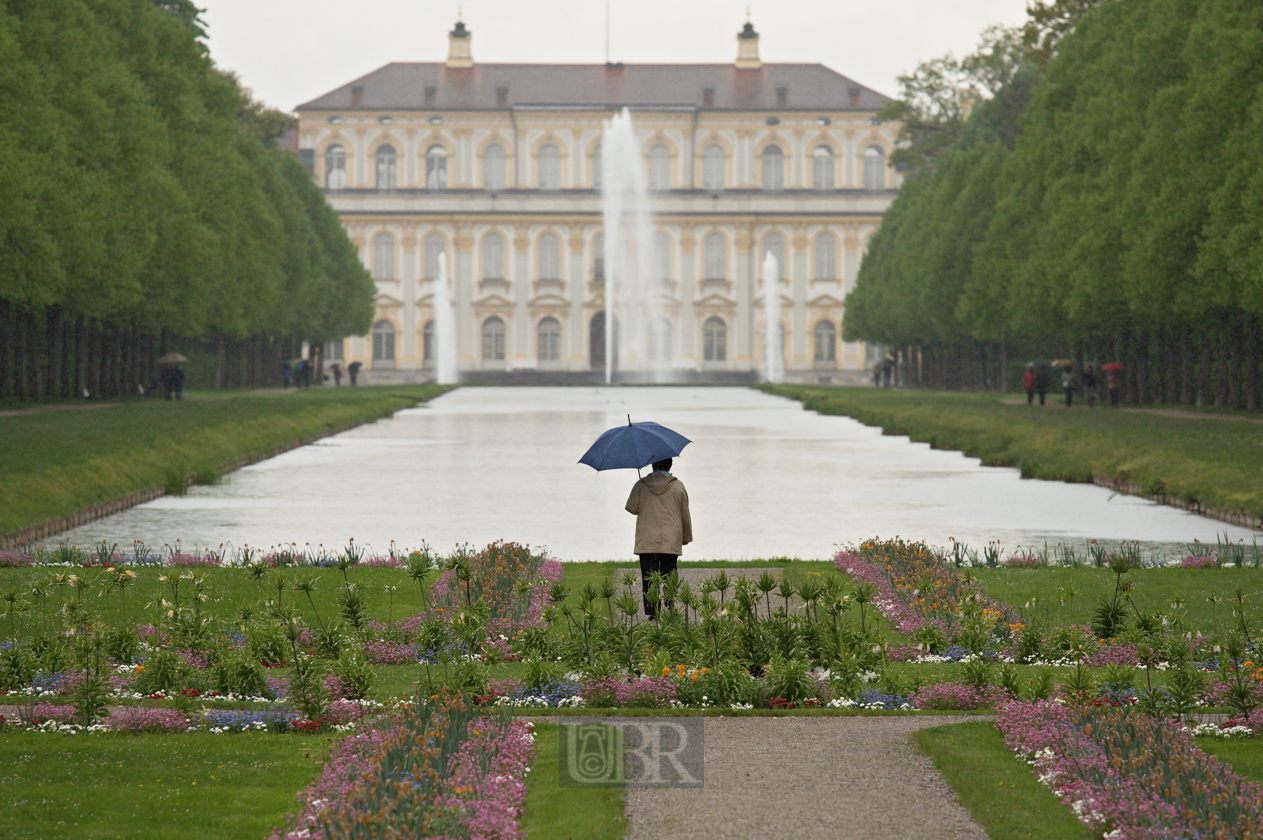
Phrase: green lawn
pixel 1244 754
pixel 554 812
pixel 999 790
pixel 1212 462
pixel 1155 590
pixel 195 786
pixel 54 463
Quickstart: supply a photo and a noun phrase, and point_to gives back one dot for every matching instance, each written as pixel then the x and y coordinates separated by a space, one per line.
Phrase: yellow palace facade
pixel 498 166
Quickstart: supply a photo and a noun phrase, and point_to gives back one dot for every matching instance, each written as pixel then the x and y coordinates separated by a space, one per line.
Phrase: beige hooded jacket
pixel 661 506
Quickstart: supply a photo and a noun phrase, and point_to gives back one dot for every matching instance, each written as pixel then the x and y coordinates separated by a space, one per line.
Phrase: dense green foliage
pixel 1103 205
pixel 144 195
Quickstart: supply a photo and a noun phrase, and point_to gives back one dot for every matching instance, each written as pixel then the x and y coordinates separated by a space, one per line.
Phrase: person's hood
pixel 658 482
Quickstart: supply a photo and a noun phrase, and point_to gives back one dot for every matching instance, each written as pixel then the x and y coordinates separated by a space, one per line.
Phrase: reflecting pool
pixel 765 479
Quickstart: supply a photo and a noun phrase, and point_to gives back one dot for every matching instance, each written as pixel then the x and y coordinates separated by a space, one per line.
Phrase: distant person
pixel 877 375
pixel 286 372
pixel 663 525
pixel 1028 383
pixel 1041 383
pixel 1111 385
pixel 304 373
pixel 166 381
pixel 336 370
pixel 1089 384
pixel 353 370
pixel 887 371
pixel 1067 385
pixel 177 382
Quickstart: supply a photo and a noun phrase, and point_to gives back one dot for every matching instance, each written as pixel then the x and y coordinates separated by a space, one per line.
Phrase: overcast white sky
pixel 291 51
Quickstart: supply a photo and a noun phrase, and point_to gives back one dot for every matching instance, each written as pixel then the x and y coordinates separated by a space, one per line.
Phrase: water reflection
pixel 765 478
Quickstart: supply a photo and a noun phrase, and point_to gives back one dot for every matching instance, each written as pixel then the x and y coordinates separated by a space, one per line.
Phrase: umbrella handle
pixel 629 422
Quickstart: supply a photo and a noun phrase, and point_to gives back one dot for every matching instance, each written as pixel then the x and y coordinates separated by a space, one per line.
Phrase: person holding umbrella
pixel 658 501
pixel 1113 379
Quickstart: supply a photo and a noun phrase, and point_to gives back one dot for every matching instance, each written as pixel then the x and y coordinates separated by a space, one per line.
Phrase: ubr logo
pixel 632 752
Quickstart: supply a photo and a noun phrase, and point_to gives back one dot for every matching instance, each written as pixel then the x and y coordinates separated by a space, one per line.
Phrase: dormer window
pixel 431 94
pixel 708 97
pixel 782 97
pixel 502 97
pixel 357 95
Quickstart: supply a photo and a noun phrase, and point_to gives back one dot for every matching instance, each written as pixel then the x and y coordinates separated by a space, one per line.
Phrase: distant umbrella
pixel 173 359
pixel 633 446
pixel 1062 363
pixel 1113 366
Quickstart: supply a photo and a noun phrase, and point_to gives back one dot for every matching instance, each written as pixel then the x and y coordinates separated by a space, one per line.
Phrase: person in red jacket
pixel 1028 382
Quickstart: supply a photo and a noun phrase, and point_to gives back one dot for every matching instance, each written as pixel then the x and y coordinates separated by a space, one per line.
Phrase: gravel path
pixel 808 779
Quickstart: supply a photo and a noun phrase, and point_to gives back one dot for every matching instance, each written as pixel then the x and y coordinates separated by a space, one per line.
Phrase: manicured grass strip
pixel 196 786
pixel 554 812
pixel 1000 791
pixel 1244 754
pixel 1214 462
pixel 55 463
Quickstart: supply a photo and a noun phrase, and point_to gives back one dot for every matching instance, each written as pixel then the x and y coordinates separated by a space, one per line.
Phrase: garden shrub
pixel 237 672
pixel 354 674
pixel 162 670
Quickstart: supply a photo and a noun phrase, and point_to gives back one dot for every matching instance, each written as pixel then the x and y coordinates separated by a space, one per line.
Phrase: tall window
pixel 383 344
pixel 659 340
pixel 493 169
pixel 333 351
pixel 874 168
pixel 774 244
pixel 822 168
pixel 427 344
pixel 386 170
pixel 716 256
pixel 714 340
pixel 434 246
pixel 548 340
pixel 773 169
pixel 713 168
pixel 549 167
pixel 436 168
pixel 549 257
pixel 598 258
pixel 335 168
pixel 826 340
pixel 493 340
pixel 662 256
pixel 826 257
pixel 660 168
pixel 383 257
pixel 597 175
pixel 493 256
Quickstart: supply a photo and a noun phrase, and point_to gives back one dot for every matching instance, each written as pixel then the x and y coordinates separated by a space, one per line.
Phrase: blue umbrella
pixel 633 446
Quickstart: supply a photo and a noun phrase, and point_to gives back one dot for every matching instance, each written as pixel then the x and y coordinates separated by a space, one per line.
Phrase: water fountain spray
pixel 773 345
pixel 444 328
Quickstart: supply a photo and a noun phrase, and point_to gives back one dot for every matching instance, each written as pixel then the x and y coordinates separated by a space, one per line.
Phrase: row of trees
pixel 145 205
pixel 1101 200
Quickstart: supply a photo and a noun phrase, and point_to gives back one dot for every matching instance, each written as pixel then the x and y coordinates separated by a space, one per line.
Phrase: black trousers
pixel 664 564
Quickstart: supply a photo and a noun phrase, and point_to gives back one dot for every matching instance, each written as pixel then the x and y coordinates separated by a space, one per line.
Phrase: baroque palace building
pixel 498 166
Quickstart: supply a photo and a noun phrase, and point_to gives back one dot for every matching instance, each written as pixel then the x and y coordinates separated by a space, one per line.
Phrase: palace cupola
pixel 459 54
pixel 748 48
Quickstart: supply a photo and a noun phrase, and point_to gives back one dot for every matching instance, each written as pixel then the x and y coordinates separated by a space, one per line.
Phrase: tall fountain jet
pixel 444 328
pixel 773 343
pixel 631 292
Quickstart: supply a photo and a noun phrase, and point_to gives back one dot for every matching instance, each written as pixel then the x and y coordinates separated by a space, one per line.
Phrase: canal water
pixel 765 479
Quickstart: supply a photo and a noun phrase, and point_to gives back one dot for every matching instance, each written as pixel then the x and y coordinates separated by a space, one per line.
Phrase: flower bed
pixel 1131 775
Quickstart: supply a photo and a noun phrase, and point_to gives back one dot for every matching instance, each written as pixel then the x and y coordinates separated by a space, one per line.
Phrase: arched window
pixel 822 168
pixel 383 344
pixel 598 258
pixel 773 169
pixel 549 257
pixel 493 170
pixel 549 167
pixel 826 340
pixel 713 168
pixel 434 246
pixel 427 344
pixel 493 340
pixel 714 340
pixel 493 256
pixel 386 170
pixel 597 175
pixel 436 168
pixel 548 340
pixel 662 256
pixel 335 168
pixel 660 168
pixel 874 168
pixel 716 255
pixel 826 257
pixel 383 257
pixel 774 244
pixel 659 340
